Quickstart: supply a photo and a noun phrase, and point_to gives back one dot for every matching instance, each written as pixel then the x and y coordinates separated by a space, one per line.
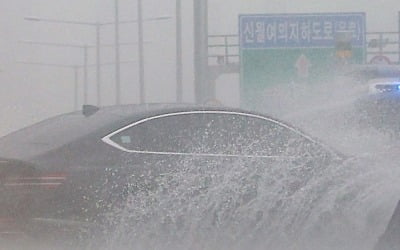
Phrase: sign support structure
pixel 202 85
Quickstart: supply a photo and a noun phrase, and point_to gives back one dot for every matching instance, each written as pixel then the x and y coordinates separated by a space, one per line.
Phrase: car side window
pixel 161 134
pixel 253 136
pixel 224 133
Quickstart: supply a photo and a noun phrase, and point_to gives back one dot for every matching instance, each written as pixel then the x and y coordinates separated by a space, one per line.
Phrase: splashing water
pixel 246 205
pixel 279 205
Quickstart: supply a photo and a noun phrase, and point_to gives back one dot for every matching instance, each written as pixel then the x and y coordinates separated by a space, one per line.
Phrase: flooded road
pixel 281 205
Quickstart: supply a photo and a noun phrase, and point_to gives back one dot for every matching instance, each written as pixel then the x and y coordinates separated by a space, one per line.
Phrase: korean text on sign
pixel 269 31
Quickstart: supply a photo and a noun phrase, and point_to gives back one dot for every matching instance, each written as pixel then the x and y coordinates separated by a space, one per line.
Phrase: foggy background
pixel 30 93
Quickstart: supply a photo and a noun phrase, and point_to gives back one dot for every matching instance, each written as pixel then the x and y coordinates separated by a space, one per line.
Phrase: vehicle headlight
pixel 385 88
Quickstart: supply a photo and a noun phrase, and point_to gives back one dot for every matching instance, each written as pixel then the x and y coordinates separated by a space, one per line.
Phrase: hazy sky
pixel 30 93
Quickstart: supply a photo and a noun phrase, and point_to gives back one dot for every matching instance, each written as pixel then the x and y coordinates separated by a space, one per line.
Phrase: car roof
pixel 385 80
pixel 60 130
pixel 141 111
pixel 147 110
pixel 372 71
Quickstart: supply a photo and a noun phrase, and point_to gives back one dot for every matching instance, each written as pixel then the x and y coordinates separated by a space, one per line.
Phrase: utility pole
pixel 141 52
pixel 179 87
pixel 202 88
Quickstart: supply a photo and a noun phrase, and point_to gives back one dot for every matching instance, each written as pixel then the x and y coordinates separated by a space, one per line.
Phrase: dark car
pixel 390 239
pixel 379 108
pixel 71 170
pixel 379 102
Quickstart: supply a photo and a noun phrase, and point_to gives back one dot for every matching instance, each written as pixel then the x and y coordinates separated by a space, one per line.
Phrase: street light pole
pixel 85 74
pixel 398 27
pixel 179 87
pixel 75 68
pixel 98 61
pixel 85 48
pixel 98 25
pixel 76 74
pixel 141 52
pixel 117 59
pixel 202 88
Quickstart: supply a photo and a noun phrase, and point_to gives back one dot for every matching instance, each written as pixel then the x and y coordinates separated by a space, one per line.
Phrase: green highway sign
pixel 296 48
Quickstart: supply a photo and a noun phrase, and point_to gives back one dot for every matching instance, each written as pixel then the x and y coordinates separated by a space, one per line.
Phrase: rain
pixel 93 57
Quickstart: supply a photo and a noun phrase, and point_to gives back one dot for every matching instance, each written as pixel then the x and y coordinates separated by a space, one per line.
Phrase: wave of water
pixel 245 205
pixel 241 206
pixel 281 205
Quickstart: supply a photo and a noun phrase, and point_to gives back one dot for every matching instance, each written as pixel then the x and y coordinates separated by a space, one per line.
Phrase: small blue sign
pixel 299 30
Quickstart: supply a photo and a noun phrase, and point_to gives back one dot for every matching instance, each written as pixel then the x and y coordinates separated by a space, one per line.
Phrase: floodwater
pixel 240 205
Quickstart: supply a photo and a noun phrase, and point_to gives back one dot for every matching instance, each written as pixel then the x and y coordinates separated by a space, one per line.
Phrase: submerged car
pixel 72 169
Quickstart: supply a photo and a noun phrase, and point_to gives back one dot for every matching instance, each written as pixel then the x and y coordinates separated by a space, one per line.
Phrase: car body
pixel 72 169
pixel 390 239
pixel 366 72
pixel 379 107
pixel 387 85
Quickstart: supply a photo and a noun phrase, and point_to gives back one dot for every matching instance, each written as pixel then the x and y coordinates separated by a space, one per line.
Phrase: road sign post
pixel 295 48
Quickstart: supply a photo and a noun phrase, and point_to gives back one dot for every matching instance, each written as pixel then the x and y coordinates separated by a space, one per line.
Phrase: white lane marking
pixel 33 184
pixel 36 178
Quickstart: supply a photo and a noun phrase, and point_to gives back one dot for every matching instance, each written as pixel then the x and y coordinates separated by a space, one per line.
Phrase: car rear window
pixel 51 134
